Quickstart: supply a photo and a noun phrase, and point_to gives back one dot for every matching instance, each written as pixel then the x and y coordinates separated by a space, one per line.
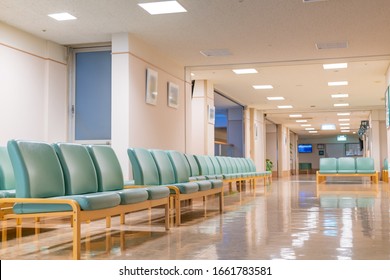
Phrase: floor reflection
pixel 293 219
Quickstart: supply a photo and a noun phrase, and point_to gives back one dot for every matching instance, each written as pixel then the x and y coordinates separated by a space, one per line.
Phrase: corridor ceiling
pixel 286 41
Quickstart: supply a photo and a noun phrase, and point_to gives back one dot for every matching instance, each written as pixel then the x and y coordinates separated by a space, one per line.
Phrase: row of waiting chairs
pixel 86 182
pixel 347 166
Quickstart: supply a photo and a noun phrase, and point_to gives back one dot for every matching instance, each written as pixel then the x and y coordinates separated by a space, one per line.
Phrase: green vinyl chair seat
pixel 328 166
pixel 346 165
pixel 157 192
pixel 365 165
pixel 204 185
pixel 187 187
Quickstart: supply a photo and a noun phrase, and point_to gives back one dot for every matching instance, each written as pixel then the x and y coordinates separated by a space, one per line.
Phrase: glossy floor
pixel 295 219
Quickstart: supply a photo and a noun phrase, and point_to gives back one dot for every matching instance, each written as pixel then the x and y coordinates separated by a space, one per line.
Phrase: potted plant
pixel 268 165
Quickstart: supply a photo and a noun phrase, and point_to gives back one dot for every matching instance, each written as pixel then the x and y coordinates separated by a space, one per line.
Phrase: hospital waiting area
pixel 221 130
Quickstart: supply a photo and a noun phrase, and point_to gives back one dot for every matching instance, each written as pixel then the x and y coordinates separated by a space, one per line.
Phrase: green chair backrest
pixel 365 165
pixel 217 166
pixel 222 163
pixel 108 169
pixel 203 167
pixel 194 167
pixel 210 165
pixel 165 169
pixel 251 164
pixel 346 165
pixel 386 164
pixel 79 171
pixel 328 165
pixel 38 172
pixel 7 177
pixel 144 167
pixel 178 163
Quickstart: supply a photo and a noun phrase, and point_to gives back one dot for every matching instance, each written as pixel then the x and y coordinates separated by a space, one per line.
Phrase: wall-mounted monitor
pixel 305 148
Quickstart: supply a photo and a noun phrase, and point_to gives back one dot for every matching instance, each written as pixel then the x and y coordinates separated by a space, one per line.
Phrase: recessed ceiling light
pixel 344 120
pixel 285 107
pixel 245 71
pixel 295 116
pixel 343 114
pixel 339 83
pixel 340 95
pixel 313 131
pixel 305 125
pixel 309 128
pixel 343 124
pixel 328 127
pixel 62 16
pixel 275 98
pixel 341 105
pixel 263 87
pixel 163 7
pixel 332 66
pixel 301 121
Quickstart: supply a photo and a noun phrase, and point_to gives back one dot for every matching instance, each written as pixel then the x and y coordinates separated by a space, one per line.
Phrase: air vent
pixel 216 52
pixel 334 45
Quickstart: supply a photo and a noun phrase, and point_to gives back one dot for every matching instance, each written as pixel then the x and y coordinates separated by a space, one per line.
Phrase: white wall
pixel 33 88
pixel 134 122
pixel 271 145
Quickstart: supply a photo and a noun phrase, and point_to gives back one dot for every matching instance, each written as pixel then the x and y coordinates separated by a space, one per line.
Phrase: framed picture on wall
pixel 173 95
pixel 151 86
pixel 320 146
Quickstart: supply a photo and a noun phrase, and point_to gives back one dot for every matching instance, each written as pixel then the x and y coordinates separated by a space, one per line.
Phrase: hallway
pixel 294 220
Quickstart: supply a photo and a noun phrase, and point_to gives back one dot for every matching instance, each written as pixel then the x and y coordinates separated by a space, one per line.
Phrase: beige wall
pixel 134 122
pixel 33 88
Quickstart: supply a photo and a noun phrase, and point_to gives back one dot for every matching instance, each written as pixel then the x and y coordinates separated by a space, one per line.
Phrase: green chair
pixel 365 165
pixel 346 165
pixel 7 177
pixel 328 166
pixel 194 170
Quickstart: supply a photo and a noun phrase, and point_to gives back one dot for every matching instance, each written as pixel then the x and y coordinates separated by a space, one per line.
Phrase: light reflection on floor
pixel 294 220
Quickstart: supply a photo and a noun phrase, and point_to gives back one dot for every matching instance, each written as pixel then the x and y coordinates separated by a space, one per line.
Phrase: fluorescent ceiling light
pixel 285 106
pixel 343 114
pixel 313 131
pixel 341 105
pixel 340 95
pixel 163 7
pixel 335 66
pixel 275 98
pixel 305 125
pixel 301 121
pixel 328 127
pixel 295 116
pixel 344 120
pixel 309 128
pixel 263 87
pixel 340 83
pixel 344 124
pixel 245 71
pixel 346 130
pixel 62 16
pixel 345 127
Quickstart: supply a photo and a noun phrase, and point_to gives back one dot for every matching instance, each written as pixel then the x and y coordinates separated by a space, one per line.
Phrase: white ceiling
pixel 277 37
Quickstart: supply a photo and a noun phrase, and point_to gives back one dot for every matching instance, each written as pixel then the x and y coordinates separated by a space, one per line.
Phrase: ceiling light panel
pixel 263 87
pixel 340 95
pixel 62 16
pixel 339 83
pixel 301 121
pixel 275 98
pixel 328 127
pixel 285 107
pixel 343 114
pixel 163 7
pixel 344 120
pixel 245 71
pixel 333 66
pixel 313 131
pixel 341 105
pixel 295 116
